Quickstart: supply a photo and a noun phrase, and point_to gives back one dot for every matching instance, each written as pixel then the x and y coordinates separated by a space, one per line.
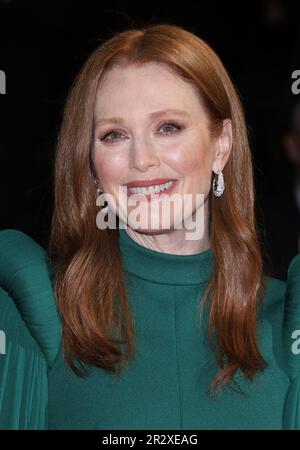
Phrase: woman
pixel 161 328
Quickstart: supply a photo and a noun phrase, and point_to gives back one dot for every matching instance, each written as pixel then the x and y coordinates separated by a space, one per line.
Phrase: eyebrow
pixel 153 115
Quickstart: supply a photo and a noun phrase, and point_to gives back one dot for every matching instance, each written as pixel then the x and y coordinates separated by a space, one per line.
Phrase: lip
pixel 149 197
pixel 147 183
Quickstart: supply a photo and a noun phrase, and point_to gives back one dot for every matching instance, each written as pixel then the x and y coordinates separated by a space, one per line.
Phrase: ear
pixel 223 146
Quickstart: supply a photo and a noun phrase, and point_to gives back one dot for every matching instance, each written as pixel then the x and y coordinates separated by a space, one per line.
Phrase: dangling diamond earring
pixel 218 184
pixel 100 191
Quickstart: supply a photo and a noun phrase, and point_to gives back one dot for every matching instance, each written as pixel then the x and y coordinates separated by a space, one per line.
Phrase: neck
pixel 174 241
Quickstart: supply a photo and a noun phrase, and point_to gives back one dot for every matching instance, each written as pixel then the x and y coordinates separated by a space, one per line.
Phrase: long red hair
pixel 89 280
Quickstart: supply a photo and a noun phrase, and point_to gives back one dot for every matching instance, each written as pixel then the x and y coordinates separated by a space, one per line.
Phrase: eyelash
pixel 178 127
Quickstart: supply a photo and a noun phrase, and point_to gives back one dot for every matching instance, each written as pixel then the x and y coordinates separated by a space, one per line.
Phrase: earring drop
pixel 218 184
pixel 100 191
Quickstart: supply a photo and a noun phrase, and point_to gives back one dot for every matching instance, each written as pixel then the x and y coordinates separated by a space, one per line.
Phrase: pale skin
pixel 146 148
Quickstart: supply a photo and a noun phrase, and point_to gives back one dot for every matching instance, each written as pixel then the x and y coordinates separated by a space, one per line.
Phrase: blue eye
pixel 111 132
pixel 169 124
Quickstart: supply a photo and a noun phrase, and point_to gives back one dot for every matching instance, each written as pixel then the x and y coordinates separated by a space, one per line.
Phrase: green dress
pixel 165 385
pixel 30 323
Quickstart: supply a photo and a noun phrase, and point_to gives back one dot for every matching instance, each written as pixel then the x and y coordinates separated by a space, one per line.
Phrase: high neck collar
pixel 165 268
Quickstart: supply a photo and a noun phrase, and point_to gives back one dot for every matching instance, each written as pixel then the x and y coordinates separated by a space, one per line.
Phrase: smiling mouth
pixel 151 190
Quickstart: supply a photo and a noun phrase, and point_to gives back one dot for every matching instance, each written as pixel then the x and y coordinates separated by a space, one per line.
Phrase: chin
pixel 151 231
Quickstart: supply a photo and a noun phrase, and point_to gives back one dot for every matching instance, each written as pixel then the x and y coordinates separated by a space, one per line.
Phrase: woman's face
pixel 162 133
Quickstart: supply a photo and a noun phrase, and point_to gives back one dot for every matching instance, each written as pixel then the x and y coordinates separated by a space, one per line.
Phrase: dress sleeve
pixel 30 331
pixel 291 336
pixel 23 373
pixel 26 275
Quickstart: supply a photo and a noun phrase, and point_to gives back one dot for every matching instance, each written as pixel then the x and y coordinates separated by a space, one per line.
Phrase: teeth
pixel 150 189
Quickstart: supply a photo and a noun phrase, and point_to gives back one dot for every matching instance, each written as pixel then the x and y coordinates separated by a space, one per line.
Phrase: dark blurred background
pixel 43 45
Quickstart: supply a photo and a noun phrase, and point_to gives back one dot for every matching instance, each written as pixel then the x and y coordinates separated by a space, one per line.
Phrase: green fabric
pixel 292 345
pixel 28 279
pixel 30 321
pixel 23 373
pixel 165 386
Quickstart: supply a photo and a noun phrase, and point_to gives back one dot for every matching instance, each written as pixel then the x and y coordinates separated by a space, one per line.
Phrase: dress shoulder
pixel 291 324
pixel 291 339
pixel 26 275
pixel 272 306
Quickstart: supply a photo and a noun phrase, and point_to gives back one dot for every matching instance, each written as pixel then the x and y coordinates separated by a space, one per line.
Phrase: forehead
pixel 125 89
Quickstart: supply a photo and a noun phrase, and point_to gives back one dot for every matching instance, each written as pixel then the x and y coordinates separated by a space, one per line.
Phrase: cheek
pixel 192 159
pixel 108 167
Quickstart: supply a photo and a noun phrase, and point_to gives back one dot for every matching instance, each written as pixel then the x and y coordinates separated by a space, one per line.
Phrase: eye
pixel 168 127
pixel 109 133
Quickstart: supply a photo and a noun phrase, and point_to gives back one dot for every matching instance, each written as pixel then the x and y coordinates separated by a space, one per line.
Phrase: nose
pixel 143 155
